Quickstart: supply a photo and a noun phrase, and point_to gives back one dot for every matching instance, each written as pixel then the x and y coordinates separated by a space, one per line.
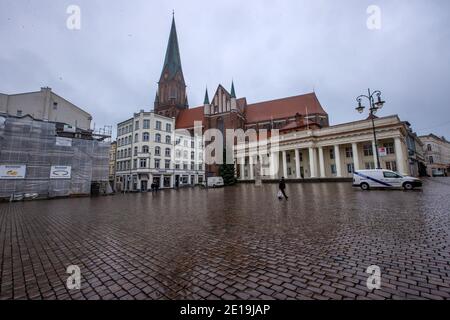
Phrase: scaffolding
pixel 36 145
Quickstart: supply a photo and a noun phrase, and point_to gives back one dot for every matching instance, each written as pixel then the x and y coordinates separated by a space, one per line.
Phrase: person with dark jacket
pixel 282 187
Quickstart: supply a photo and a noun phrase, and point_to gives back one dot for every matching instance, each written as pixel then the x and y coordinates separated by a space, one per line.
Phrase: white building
pixel 45 105
pixel 149 150
pixel 333 152
pixel 437 154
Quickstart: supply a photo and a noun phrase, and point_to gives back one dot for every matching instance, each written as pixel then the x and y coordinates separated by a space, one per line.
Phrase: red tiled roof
pixel 187 117
pixel 283 108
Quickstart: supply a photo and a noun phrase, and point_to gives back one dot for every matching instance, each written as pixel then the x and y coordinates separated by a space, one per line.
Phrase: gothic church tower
pixel 171 96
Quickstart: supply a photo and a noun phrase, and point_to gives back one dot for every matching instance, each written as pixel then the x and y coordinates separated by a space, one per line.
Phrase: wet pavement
pixel 234 243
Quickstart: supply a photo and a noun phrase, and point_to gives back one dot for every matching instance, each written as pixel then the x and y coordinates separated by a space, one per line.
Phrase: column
pixel 250 161
pixel 374 148
pixel 312 167
pixel 242 168
pixel 274 164
pixel 297 164
pixel 337 159
pixel 285 171
pixel 400 156
pixel 321 163
pixel 355 155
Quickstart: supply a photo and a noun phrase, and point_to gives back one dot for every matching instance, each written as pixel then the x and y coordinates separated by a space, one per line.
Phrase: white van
pixel 214 182
pixel 380 178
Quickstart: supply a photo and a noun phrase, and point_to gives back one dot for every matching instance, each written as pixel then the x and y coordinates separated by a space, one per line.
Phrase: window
pixel 158 125
pixel 370 165
pixel 368 150
pixel 185 166
pixel 429 147
pixel 350 168
pixel 136 125
pixel 185 143
pixel 55 105
pixel 157 151
pixel 192 166
pixel 349 152
pixel 168 140
pixel 178 154
pixel 146 124
pixel 167 153
pixel 192 144
pixel 200 167
pixel 391 165
pixel 167 164
pixel 126 140
pixel 157 137
pixel 145 136
pixel 142 163
pixel 145 149
pixel 388 174
pixel 389 148
pixel 333 169
pixel 135 151
pixel 177 166
pixel 157 163
pixel 430 159
pixel 185 154
pixel 134 163
pixel 168 127
pixel 288 158
pixel 192 155
pixel 136 138
pixel 331 154
pixel 301 156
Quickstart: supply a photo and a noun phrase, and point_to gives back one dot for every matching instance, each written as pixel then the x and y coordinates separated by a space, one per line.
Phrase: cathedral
pixel 225 110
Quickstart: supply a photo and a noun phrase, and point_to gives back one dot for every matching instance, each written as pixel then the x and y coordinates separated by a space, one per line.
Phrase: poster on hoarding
pixel 60 172
pixel 63 142
pixel 8 172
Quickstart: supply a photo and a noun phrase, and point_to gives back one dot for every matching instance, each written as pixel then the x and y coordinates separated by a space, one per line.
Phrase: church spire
pixel 233 93
pixel 172 61
pixel 206 101
pixel 172 95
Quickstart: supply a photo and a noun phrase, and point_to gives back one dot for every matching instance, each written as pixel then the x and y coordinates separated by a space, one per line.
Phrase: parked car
pixel 214 182
pixel 438 173
pixel 381 178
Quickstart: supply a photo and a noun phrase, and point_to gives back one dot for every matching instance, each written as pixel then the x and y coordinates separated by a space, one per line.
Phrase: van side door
pixel 392 179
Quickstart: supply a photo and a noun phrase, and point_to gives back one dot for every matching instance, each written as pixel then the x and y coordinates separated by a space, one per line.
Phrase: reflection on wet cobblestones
pixel 234 243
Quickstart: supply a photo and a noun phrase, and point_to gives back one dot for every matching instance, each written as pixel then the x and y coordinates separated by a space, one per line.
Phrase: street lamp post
pixel 373 108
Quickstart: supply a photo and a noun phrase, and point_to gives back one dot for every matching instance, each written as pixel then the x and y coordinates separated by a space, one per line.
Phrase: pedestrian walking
pixel 282 187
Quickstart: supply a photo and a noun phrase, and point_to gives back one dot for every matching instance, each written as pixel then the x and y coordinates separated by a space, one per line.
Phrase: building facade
pixel 437 155
pixel 331 152
pixel 150 150
pixel 45 105
pixel 112 164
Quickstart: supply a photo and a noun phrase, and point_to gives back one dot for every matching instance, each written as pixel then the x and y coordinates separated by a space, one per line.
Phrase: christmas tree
pixel 226 171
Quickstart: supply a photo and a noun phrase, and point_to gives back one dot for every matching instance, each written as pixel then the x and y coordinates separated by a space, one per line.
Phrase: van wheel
pixel 214 186
pixel 365 186
pixel 408 186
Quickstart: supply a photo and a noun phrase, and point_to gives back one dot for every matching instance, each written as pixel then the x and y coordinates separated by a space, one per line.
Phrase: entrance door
pixel 144 185
pixel 177 181
pixel 157 180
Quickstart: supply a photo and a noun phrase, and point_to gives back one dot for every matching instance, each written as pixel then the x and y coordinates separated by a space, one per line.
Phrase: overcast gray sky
pixel 272 49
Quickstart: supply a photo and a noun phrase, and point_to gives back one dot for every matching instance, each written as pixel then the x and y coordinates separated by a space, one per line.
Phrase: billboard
pixel 63 142
pixel 8 172
pixel 60 172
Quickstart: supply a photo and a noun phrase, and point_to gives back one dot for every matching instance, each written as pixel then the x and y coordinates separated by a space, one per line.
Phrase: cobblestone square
pixel 234 243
